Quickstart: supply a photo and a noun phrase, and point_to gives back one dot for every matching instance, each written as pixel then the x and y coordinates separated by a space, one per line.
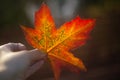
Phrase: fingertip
pixel 21 46
pixel 37 51
pixel 36 55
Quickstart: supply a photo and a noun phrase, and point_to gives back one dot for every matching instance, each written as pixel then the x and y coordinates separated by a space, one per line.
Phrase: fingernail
pixel 21 46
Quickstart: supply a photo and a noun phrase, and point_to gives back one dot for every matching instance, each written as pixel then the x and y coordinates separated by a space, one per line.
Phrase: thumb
pixel 36 55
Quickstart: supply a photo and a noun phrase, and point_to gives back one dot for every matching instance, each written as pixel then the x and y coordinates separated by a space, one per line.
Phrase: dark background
pixel 101 53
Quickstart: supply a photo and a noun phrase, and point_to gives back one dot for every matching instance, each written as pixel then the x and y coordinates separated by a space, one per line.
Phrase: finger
pixel 34 68
pixel 36 55
pixel 14 47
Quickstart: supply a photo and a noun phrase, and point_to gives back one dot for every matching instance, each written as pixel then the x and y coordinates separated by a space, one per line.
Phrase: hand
pixel 17 63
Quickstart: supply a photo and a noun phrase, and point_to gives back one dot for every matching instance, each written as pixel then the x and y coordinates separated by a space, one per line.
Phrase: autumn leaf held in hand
pixel 57 43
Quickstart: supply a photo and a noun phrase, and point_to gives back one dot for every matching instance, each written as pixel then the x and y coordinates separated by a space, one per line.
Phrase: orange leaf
pixel 58 42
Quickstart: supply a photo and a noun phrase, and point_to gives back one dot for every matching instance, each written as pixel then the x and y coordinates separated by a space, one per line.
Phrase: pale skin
pixel 18 63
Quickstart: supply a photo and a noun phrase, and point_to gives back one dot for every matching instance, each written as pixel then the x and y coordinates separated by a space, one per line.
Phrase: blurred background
pixel 101 53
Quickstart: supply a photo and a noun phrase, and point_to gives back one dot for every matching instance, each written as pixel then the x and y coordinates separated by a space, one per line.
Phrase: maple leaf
pixel 57 43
